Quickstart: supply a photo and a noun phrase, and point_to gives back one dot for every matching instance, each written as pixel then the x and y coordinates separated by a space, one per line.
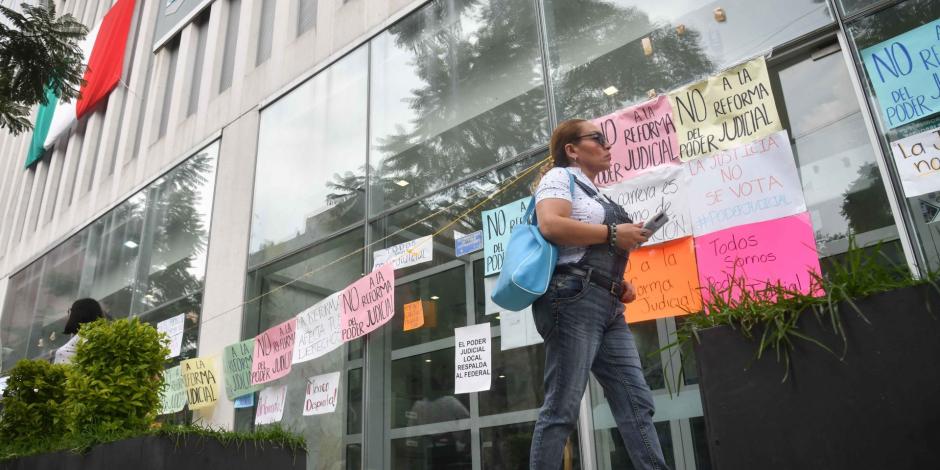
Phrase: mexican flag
pixel 103 50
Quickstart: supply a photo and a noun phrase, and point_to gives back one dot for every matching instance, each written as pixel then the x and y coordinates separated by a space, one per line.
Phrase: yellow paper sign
pixel 414 315
pixel 725 110
pixel 665 277
pixel 202 387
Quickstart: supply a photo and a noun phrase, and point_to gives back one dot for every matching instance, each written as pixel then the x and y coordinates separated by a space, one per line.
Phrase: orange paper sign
pixel 666 281
pixel 414 315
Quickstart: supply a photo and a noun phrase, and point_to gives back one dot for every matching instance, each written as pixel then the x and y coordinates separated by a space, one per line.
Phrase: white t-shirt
pixel 556 185
pixel 64 354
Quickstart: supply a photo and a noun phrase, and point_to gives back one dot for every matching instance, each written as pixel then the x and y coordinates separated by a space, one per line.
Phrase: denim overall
pixel 584 330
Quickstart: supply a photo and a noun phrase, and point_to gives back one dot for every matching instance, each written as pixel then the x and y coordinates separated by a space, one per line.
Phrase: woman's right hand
pixel 631 235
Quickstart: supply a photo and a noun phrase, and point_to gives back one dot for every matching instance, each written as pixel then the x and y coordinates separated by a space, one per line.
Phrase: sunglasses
pixel 598 137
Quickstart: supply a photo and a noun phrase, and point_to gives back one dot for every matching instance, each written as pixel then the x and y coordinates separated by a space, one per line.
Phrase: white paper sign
pixel 753 182
pixel 173 327
pixel 490 307
pixel 271 402
pixel 918 162
pixel 322 394
pixel 472 363
pixel 517 329
pixel 64 354
pixel 654 190
pixel 406 254
pixel 318 330
pixel 3 385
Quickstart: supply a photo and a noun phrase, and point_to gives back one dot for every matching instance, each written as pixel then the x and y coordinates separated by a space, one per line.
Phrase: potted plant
pixel 844 380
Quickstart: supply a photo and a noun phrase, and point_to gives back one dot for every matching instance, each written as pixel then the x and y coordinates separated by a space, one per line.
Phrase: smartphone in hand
pixel 656 222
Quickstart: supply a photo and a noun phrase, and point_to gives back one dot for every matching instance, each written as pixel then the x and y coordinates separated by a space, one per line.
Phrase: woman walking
pixel 580 317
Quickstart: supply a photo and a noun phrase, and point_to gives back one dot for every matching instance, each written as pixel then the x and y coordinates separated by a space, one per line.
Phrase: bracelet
pixel 612 234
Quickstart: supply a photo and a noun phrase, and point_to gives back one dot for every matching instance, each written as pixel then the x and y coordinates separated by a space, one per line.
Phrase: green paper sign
pixel 236 363
pixel 173 398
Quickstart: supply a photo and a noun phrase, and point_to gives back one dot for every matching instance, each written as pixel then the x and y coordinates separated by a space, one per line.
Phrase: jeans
pixel 584 330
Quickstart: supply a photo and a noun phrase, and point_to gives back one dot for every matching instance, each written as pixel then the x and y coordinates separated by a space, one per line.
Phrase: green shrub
pixel 32 413
pixel 114 384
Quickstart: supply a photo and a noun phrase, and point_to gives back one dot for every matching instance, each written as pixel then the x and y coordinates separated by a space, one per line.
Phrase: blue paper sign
pixel 245 401
pixel 469 243
pixel 497 224
pixel 905 73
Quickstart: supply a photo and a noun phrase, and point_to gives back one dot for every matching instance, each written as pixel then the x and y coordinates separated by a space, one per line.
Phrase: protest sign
pixel 173 327
pixel 665 279
pixel 3 385
pixel 750 183
pixel 244 401
pixel 918 162
pixel 271 401
pixel 322 394
pixel 725 110
pixel 642 137
pixel 497 225
pixel 202 388
pixel 472 363
pixel 273 352
pixel 318 330
pixel 368 303
pixel 758 256
pixel 651 191
pixel 517 329
pixel 173 396
pixel 405 254
pixel 236 367
pixel 466 244
pixel 414 315
pixel 905 74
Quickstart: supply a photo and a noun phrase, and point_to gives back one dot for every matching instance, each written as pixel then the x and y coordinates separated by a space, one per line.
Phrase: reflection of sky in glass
pixel 314 133
pixel 204 196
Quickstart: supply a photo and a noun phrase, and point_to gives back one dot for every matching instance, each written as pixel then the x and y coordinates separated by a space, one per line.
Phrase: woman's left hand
pixel 629 293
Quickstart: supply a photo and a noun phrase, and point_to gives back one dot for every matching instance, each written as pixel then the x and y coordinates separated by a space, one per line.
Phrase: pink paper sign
pixel 274 350
pixel 368 303
pixel 641 137
pixel 755 256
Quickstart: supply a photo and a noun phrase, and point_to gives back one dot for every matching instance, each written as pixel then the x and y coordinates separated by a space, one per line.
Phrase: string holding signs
pixel 750 183
pixel 273 351
pixel 173 395
pixel 497 225
pixel 236 367
pixel 758 256
pixel 202 388
pixel 905 74
pixel 666 280
pixel 725 110
pixel 271 401
pixel 322 394
pixel 406 254
pixel 318 330
pixel 651 191
pixel 368 303
pixel 472 361
pixel 918 162
pixel 642 136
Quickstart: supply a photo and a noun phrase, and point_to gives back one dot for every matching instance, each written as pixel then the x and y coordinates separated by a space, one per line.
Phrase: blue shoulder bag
pixel 528 263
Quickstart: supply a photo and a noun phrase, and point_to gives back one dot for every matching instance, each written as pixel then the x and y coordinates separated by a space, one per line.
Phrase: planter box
pixel 879 408
pixel 166 453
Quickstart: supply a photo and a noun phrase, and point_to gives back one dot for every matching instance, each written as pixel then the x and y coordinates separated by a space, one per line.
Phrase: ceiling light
pixel 611 90
pixel 427 360
pixel 434 297
pixel 130 244
pixel 502 376
pixel 402 183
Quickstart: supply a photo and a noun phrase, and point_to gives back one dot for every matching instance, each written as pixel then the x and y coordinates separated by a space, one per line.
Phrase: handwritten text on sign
pixel 271 403
pixel 652 191
pixel 641 137
pixel 173 327
pixel 236 366
pixel 273 351
pixel 202 387
pixel 472 362
pixel 318 329
pixel 752 182
pixel 758 256
pixel 666 281
pixel 406 254
pixel 905 73
pixel 918 161
pixel 414 315
pixel 173 396
pixel 322 393
pixel 368 303
pixel 497 225
pixel 725 110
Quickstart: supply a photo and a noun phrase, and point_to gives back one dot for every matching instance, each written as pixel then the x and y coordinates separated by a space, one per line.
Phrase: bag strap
pixel 530 214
